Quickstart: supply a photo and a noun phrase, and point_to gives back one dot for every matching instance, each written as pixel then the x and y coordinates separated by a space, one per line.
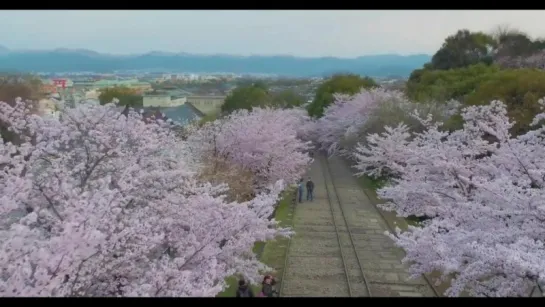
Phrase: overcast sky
pixel 300 33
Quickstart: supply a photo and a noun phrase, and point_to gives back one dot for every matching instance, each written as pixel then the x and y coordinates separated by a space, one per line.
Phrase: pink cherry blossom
pixel 385 154
pixel 348 114
pixel 264 141
pixel 96 203
pixel 483 190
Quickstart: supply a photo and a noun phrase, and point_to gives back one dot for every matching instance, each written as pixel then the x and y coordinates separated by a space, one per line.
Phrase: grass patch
pixel 272 253
pixel 374 183
pixel 209 118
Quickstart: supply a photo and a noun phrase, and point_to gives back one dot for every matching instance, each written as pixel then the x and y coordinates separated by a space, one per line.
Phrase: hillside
pixel 66 60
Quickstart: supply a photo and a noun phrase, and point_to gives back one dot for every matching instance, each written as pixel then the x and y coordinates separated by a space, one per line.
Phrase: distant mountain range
pixel 74 60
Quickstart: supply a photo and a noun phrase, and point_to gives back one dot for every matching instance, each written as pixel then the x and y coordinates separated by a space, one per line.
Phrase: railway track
pixel 348 258
pixel 340 249
pixel 536 291
pixel 369 283
pixel 334 202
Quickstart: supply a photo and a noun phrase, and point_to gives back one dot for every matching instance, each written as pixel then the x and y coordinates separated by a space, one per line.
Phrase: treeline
pixel 473 68
pixel 276 82
pixel 125 96
pixel 476 68
pixel 258 94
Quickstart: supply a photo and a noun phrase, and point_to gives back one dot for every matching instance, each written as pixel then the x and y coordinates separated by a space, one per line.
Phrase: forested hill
pixel 66 60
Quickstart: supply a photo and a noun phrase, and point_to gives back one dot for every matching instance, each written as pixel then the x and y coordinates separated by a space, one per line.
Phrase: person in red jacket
pixel 267 289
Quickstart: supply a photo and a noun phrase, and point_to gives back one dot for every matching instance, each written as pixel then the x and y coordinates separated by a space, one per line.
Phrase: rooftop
pixel 105 82
pixel 181 114
pixel 119 82
pixel 207 97
pixel 156 95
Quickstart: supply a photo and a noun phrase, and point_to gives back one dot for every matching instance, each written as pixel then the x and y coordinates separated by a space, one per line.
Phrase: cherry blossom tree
pixel 98 203
pixel 483 190
pixel 263 141
pixel 300 120
pixel 383 155
pixel 348 114
pixel 347 121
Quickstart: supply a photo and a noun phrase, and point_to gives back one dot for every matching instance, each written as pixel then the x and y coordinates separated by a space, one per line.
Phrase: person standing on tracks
pixel 300 190
pixel 244 290
pixel 268 287
pixel 310 190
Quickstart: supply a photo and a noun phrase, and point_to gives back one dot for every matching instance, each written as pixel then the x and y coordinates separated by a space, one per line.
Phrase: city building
pixel 163 100
pixel 92 94
pixel 48 89
pixel 140 87
pixel 179 115
pixel 204 104
pixel 55 85
pixel 207 104
pixel 48 107
pixel 182 114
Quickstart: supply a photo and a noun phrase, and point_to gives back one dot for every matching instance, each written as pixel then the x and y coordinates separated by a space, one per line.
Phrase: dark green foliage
pixel 246 97
pixel 463 49
pixel 258 95
pixel 479 84
pixel 442 85
pixel 461 70
pixel 519 89
pixel 345 84
pixel 126 96
pixel 287 99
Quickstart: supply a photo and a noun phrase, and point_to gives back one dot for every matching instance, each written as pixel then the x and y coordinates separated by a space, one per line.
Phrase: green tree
pixel 519 89
pixel 261 84
pixel 343 83
pixel 512 42
pixel 290 82
pixel 463 49
pixel 27 87
pixel 516 49
pixel 287 99
pixel 246 97
pixel 125 95
pixel 442 85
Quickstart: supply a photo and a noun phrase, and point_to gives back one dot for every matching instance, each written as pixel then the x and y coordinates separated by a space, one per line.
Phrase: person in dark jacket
pixel 244 289
pixel 310 189
pixel 268 287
